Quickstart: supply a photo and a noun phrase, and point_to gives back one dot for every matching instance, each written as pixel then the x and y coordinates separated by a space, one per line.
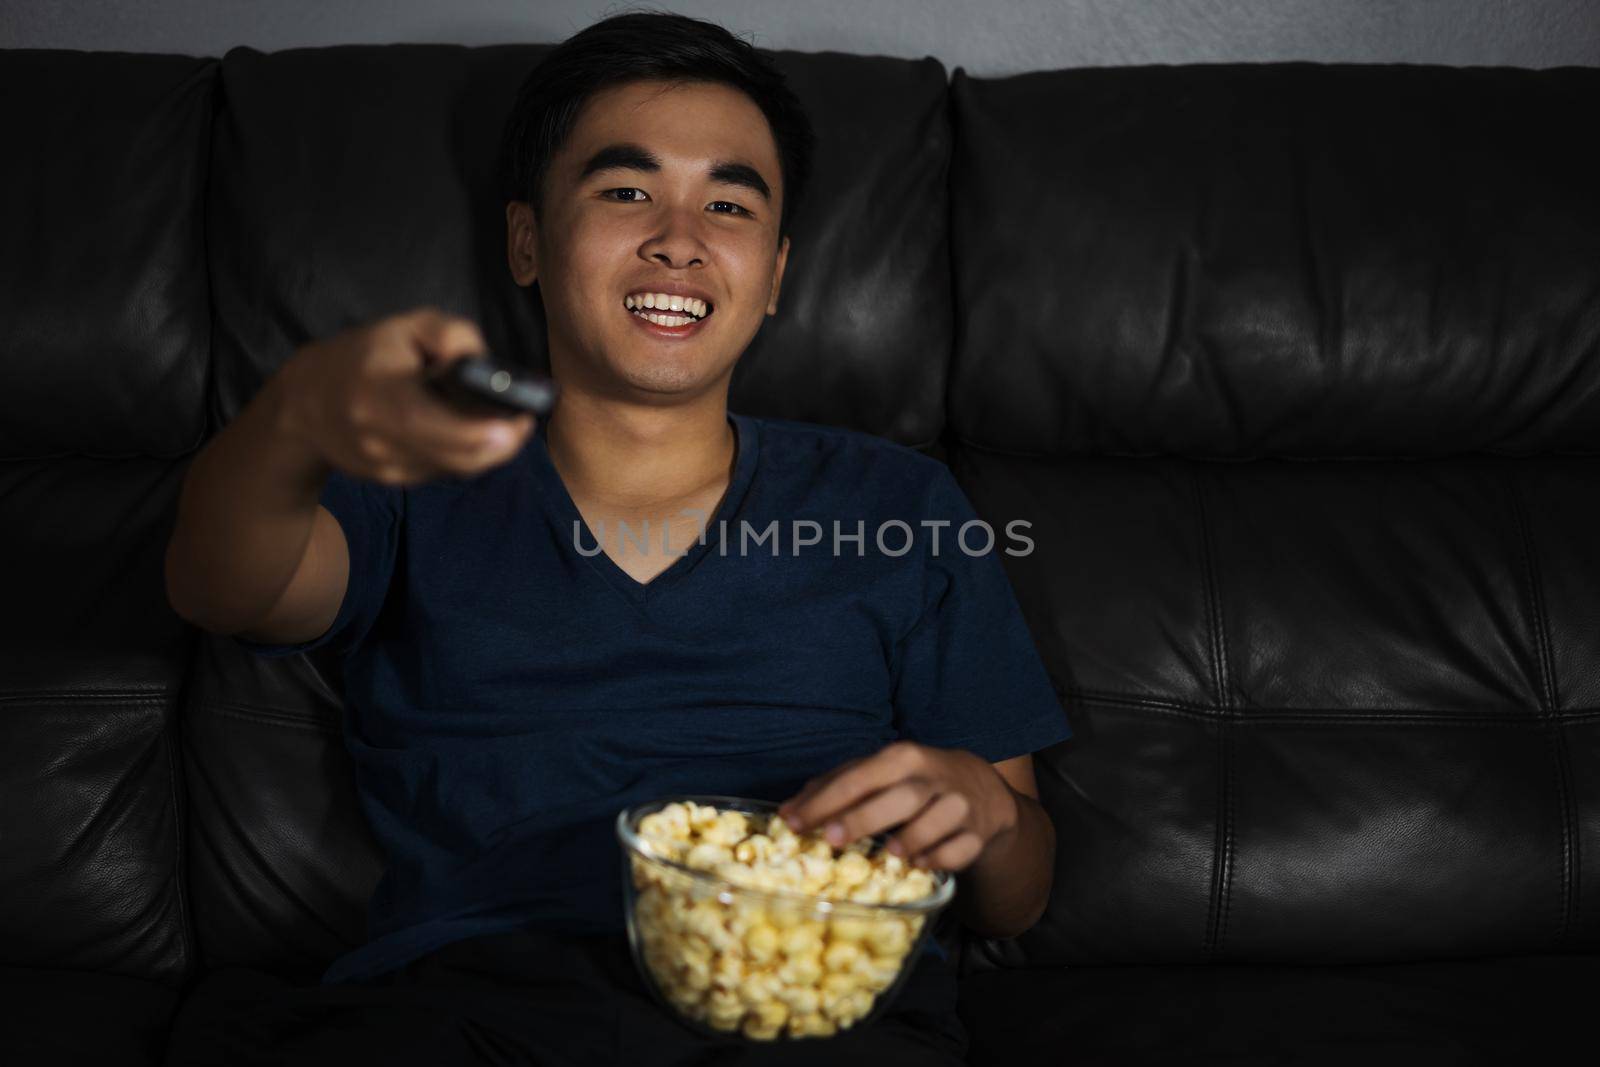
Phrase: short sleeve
pixel 968 675
pixel 370 515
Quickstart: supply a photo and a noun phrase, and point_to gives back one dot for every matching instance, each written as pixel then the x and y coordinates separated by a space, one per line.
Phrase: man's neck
pixel 637 458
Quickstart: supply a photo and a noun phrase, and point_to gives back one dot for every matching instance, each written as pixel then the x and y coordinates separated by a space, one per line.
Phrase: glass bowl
pixel 768 964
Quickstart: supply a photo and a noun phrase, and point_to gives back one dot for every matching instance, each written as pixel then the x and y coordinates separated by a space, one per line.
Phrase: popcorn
pixel 760 987
pixel 888 939
pixel 801 970
pixel 707 856
pixel 730 828
pixel 841 956
pixel 670 823
pixel 801 1000
pixel 851 870
pixel 802 940
pixel 769 968
pixel 761 943
pixel 764 1022
pixel 813 1025
pixel 754 850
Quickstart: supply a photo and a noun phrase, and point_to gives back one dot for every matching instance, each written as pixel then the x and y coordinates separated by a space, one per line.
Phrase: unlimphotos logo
pixel 892 537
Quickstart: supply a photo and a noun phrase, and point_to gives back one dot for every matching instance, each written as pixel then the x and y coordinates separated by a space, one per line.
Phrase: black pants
pixel 526 998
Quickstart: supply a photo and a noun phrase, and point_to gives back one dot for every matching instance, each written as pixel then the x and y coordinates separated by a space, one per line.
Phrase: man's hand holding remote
pixel 253 551
pixel 360 401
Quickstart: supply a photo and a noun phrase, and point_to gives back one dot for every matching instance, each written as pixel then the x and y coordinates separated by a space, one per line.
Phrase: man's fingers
pixel 882 810
pixel 789 808
pixel 437 429
pixel 443 336
pixel 946 815
pixel 426 430
pixel 809 790
pixel 955 853
pixel 849 786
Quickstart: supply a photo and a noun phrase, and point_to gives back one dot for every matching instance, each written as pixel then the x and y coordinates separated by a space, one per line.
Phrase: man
pixel 517 673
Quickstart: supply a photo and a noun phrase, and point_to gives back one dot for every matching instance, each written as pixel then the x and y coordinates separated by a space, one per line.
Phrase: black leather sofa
pixel 1295 370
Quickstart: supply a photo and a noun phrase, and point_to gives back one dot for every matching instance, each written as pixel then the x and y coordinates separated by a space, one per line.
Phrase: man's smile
pixel 669 314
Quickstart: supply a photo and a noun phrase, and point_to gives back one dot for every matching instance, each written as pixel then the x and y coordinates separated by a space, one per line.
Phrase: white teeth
pixel 670 320
pixel 666 302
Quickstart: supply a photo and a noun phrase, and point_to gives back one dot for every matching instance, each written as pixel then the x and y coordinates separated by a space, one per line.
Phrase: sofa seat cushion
pixel 82 1017
pixel 1470 1011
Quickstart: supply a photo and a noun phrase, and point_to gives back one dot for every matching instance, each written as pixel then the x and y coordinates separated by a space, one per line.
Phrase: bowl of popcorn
pixel 743 927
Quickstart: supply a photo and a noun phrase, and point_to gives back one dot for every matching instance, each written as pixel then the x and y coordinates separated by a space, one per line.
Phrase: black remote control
pixel 480 386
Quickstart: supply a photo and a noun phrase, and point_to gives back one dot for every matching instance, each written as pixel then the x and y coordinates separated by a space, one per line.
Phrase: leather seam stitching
pixel 1082 455
pixel 1549 701
pixel 66 694
pixel 208 391
pixel 1222 850
pixel 1208 712
pixel 179 850
pixel 1350 721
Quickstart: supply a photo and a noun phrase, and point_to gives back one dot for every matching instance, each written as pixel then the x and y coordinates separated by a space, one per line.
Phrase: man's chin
pixel 666 384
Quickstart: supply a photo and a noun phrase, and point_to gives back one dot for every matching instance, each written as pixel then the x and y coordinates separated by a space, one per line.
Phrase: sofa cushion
pixel 82 1017
pixel 105 324
pixel 1323 712
pixel 92 665
pixel 281 860
pixel 1277 259
pixel 1511 1010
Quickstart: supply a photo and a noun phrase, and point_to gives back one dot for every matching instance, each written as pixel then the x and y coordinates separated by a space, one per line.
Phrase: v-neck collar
pixel 575 531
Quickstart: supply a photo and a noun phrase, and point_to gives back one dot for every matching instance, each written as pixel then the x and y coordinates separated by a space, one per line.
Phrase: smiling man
pixel 517 672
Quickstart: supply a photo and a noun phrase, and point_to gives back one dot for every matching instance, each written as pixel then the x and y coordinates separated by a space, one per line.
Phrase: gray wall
pixel 985 36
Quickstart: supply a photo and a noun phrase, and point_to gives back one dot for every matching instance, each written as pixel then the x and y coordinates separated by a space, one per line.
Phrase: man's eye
pixel 634 195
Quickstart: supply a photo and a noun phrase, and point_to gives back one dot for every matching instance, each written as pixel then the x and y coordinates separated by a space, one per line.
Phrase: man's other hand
pixel 949 804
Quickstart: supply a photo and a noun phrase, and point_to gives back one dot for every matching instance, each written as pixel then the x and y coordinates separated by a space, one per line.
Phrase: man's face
pixel 659 185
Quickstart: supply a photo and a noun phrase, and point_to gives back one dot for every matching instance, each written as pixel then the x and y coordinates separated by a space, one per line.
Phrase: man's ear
pixel 522 243
pixel 777 276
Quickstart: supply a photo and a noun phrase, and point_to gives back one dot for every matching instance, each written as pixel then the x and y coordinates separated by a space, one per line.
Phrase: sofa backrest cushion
pixel 1228 261
pixel 104 321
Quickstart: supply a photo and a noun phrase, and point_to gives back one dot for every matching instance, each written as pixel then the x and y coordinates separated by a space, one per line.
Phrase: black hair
pixel 646 45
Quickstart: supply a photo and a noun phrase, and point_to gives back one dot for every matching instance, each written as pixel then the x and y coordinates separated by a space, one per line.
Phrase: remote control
pixel 480 386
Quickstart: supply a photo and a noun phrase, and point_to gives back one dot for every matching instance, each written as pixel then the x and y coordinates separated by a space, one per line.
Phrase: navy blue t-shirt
pixel 509 688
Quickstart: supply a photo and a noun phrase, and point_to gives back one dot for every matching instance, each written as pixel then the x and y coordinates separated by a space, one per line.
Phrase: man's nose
pixel 678 243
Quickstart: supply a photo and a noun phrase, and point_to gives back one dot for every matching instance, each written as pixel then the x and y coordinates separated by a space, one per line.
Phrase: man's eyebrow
pixel 629 156
pixel 620 157
pixel 730 173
